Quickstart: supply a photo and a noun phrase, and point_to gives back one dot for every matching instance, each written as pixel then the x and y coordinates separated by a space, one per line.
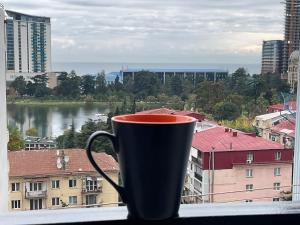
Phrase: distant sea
pixel 94 68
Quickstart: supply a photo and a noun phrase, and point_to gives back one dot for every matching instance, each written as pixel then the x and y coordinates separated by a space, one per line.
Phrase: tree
pixel 88 84
pixel 226 111
pixel 15 142
pixel 19 84
pixel 40 85
pixel 208 94
pixel 242 123
pixel 239 81
pixel 145 83
pixel 101 83
pixel 133 107
pixel 176 86
pixel 32 132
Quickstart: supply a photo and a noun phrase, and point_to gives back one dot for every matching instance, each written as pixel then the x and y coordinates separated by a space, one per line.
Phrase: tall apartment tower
pixel 272 57
pixel 291 31
pixel 28 45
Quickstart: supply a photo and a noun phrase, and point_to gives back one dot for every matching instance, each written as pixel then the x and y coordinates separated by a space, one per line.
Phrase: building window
pixel 91 199
pixel 250 157
pixel 16 204
pixel 249 173
pixel 37 186
pixel 55 184
pixel 36 204
pixel 276 186
pixel 276 199
pixel 248 200
pixel 277 155
pixel 15 187
pixel 249 187
pixel 72 183
pixel 91 185
pixel 276 171
pixel 72 200
pixel 55 201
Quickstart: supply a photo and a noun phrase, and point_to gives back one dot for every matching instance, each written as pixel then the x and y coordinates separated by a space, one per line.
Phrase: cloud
pixel 158 31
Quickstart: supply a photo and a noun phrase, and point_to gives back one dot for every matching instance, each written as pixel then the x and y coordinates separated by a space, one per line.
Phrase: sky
pixel 158 31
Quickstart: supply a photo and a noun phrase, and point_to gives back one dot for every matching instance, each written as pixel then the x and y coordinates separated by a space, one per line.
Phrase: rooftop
pixel 44 162
pixel 291 104
pixel 269 116
pixel 286 126
pixel 225 141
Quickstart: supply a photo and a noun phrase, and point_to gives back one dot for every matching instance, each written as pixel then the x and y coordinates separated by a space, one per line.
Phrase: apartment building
pixel 230 166
pixel 291 31
pixel 52 179
pixel 264 123
pixel 28 40
pixel 272 57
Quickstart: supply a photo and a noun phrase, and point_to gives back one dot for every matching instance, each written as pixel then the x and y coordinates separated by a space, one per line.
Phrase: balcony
pixel 89 190
pixel 35 194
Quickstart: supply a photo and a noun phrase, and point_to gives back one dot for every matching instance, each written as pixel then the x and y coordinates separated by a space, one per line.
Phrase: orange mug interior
pixel 153 119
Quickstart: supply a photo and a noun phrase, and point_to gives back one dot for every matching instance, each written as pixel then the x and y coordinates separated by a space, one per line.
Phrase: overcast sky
pixel 197 31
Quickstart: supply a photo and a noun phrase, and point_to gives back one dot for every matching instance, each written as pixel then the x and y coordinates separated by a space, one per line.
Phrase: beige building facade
pixel 70 181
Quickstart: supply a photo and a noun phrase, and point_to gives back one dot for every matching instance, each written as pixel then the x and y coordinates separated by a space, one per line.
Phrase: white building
pixel 28 45
pixel 265 122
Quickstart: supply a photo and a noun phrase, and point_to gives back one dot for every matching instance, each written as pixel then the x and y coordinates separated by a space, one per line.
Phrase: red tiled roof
pixel 43 162
pixel 184 113
pixel 292 106
pixel 288 125
pixel 219 139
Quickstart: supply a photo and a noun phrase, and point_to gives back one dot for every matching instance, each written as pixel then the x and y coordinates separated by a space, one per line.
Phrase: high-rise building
pixel 28 45
pixel 271 61
pixel 291 31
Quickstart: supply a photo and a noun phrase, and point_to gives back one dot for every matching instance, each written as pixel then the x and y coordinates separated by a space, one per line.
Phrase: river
pixel 51 121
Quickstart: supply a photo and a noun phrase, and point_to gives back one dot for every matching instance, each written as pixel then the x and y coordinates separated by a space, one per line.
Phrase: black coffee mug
pixel 153 152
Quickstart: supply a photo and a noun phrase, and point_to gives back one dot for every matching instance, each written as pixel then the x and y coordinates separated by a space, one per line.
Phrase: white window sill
pixel 120 213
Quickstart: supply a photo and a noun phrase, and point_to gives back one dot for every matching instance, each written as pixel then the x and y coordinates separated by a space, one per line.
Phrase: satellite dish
pixel 67 158
pixel 59 165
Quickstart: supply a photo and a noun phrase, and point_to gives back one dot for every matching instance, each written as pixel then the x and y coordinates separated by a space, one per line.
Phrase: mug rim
pixel 153 119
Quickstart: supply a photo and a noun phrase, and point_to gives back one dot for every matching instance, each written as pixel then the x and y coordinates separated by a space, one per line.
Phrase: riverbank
pixel 59 102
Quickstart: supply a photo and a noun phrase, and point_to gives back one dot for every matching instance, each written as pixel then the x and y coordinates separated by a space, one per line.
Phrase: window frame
pixel 55 200
pixel 57 184
pixel 276 186
pixel 249 189
pixel 15 184
pixel 72 182
pixel 72 202
pixel 249 175
pixel 277 171
pixel 277 156
pixel 15 203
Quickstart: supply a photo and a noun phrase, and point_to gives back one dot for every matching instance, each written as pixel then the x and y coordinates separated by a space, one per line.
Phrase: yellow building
pixel 49 179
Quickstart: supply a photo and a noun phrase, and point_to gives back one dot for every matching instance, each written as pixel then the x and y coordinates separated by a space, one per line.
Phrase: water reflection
pixel 51 121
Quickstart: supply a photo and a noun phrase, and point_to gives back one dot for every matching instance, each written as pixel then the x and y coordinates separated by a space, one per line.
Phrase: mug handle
pixel 112 138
